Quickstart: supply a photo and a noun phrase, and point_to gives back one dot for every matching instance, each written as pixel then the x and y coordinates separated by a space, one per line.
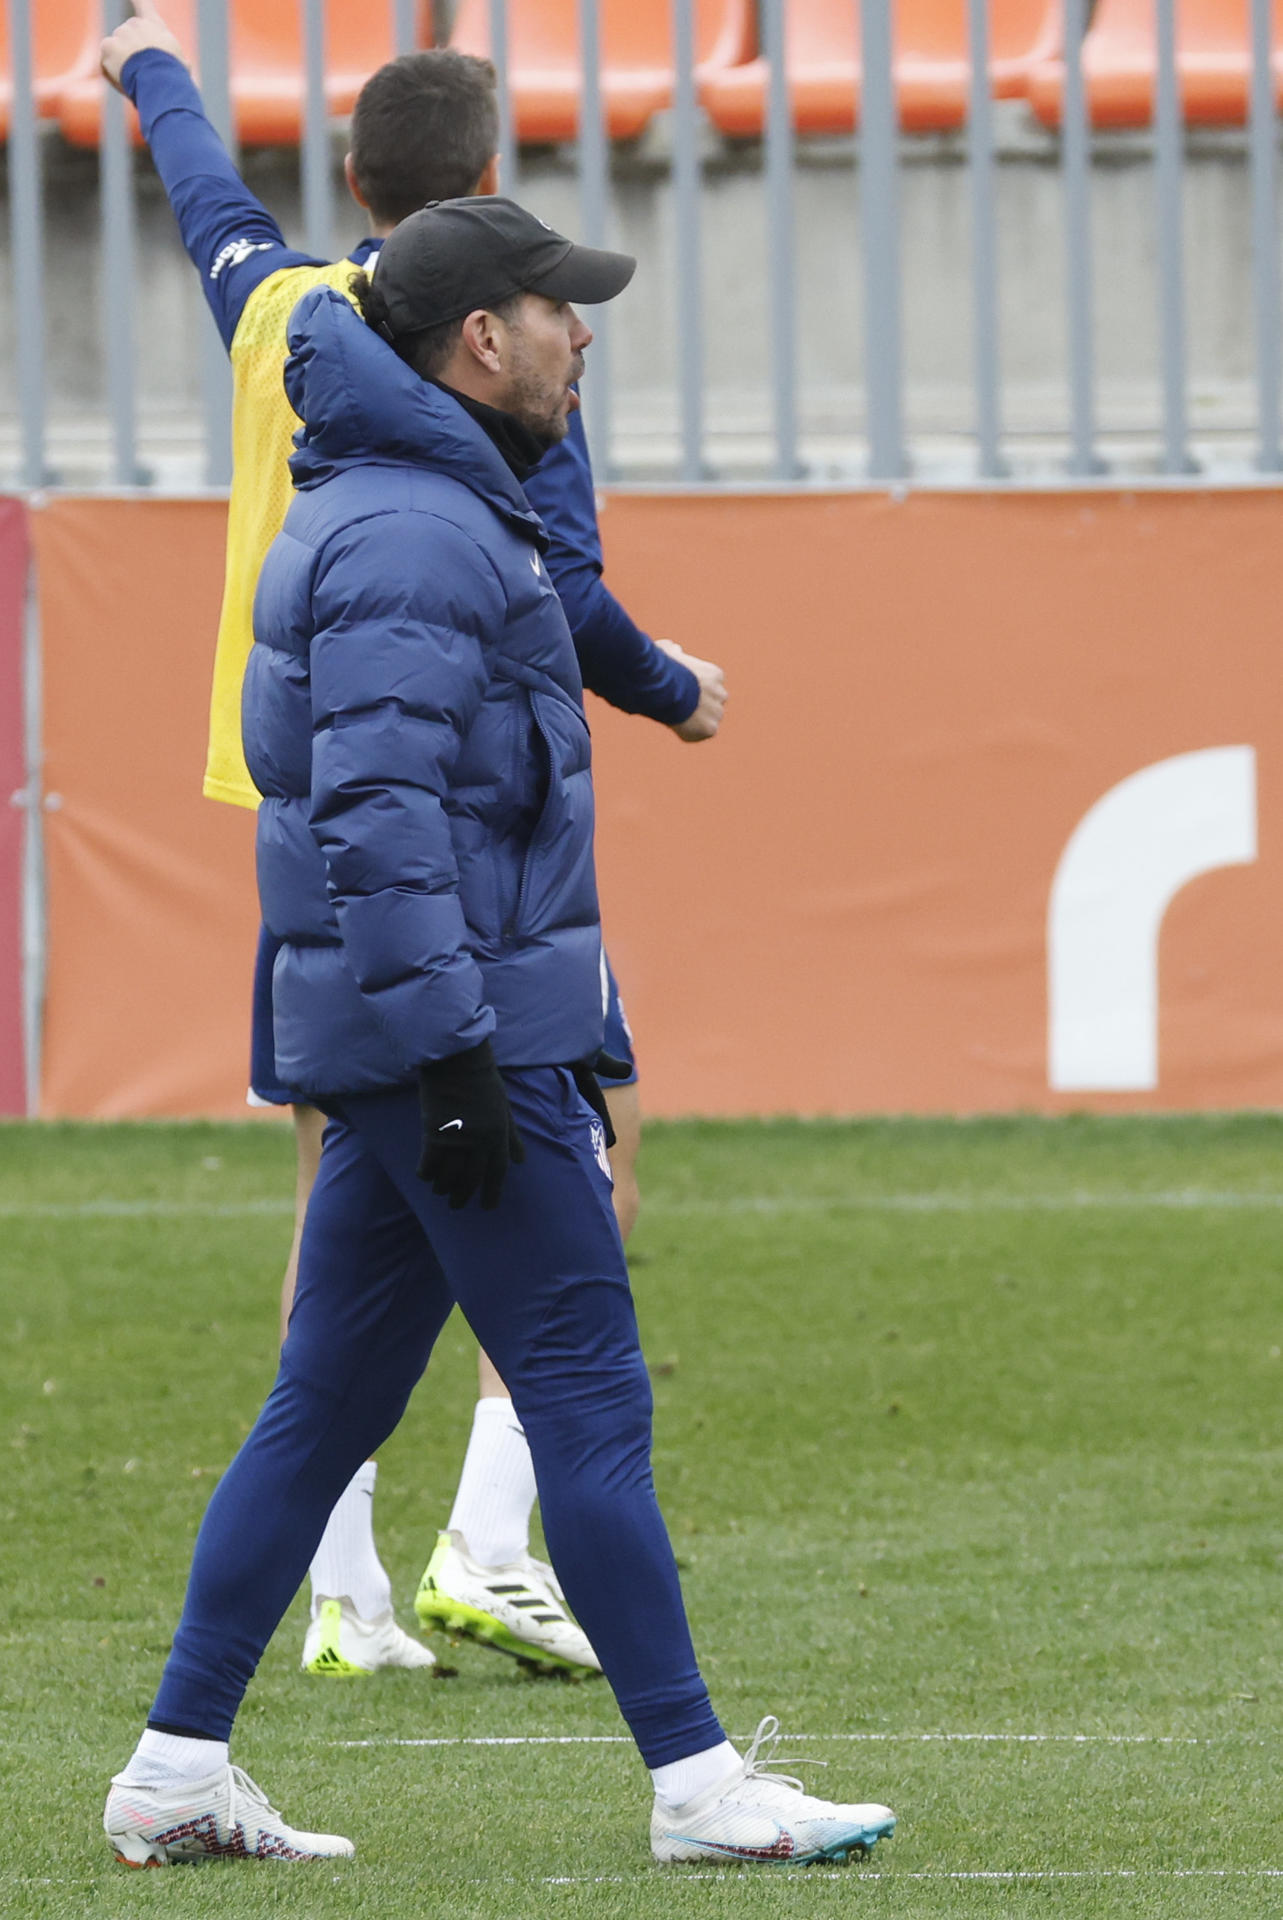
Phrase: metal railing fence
pixel 730 223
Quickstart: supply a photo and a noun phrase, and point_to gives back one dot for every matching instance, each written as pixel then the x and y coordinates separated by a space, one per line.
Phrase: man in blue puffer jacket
pixel 414 721
pixel 425 837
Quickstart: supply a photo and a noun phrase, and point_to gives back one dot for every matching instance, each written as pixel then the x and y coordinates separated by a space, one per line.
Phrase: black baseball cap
pixel 454 256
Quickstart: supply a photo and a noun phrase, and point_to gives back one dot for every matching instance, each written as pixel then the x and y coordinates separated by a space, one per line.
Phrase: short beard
pixel 548 431
pixel 547 427
pixel 529 400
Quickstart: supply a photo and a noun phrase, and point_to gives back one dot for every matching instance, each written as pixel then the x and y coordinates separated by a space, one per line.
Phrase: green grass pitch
pixel 969 1436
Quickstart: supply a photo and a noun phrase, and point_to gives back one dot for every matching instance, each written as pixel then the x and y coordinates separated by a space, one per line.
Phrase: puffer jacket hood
pixel 413 717
pixel 359 401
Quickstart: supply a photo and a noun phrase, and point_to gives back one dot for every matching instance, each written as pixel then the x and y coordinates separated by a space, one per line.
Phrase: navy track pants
pixel 543 1283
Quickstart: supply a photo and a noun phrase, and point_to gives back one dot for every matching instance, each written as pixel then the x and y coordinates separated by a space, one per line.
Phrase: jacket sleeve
pixel 617 660
pixel 233 241
pixel 399 665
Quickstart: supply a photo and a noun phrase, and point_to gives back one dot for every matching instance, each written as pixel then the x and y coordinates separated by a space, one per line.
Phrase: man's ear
pixel 353 185
pixel 482 338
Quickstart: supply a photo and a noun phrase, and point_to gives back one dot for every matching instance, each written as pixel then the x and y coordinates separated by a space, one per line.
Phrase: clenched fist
pixel 707 717
pixel 146 29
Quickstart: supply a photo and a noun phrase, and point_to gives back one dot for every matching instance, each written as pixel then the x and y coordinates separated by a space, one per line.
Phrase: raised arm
pixel 233 241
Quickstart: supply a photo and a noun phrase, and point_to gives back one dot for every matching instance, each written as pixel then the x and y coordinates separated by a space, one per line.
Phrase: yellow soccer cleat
pixel 517 1609
pixel 339 1643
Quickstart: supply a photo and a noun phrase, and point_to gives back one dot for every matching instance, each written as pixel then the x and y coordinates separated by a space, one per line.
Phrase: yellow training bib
pixel 263 428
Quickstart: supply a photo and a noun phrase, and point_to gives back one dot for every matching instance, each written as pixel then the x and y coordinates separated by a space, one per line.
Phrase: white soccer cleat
pixel 338 1642
pixel 517 1608
pixel 225 1817
pixel 764 1819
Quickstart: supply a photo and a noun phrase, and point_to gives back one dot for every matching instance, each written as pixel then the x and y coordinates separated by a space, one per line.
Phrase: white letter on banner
pixel 1124 863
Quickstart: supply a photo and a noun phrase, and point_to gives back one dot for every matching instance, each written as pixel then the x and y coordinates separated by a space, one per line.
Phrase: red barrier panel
pixel 947 713
pixel 13 594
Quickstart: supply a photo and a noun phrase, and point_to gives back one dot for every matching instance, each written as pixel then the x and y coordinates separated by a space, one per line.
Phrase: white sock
pixel 169 1759
pixel 681 1780
pixel 496 1488
pixel 347 1564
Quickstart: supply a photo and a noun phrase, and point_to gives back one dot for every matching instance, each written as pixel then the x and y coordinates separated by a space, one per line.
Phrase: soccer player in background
pixel 425 127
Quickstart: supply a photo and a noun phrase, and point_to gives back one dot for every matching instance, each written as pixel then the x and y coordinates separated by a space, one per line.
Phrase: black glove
pixel 469 1137
pixel 586 1079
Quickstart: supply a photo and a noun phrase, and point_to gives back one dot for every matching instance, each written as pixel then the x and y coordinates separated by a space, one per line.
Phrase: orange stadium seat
pixel 931 65
pixel 637 75
pixel 1023 34
pixel 1120 63
pixel 267 63
pixel 65 36
pixel 267 77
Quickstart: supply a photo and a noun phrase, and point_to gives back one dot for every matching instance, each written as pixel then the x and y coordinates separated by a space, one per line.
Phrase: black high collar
pixel 520 447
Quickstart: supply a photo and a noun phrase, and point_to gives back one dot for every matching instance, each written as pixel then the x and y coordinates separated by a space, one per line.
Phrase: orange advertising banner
pixel 842 906
pixel 152 918
pixel 13 803
pixel 995 821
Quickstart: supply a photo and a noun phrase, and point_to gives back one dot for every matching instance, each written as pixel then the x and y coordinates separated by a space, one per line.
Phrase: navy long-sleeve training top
pixel 235 243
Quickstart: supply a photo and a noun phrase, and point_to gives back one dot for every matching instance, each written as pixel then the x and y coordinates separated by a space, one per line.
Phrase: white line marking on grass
pixel 623 1740
pixel 862 1874
pixel 1081 1739
pixel 1090 1873
pixel 149 1210
pixel 841 1877
pixel 1176 1200
pixel 500 1740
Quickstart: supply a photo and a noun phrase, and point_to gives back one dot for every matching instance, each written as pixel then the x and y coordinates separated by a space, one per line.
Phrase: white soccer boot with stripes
pixel 759 1818
pixel 340 1643
pixel 225 1817
pixel 517 1609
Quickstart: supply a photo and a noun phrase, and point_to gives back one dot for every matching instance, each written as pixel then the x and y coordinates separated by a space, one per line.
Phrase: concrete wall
pixel 645 349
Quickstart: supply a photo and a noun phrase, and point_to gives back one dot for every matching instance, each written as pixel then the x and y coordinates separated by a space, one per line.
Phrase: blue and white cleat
pixel 756 1818
pixel 225 1817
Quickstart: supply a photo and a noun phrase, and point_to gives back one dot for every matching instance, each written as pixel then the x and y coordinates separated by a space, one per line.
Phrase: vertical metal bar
pixel 26 227
pixel 780 269
pixel 1263 147
pixel 119 279
pixel 403 34
pixel 880 215
pixel 686 192
pixel 214 58
pixel 1171 276
pixel 1076 161
pixel 318 206
pixel 594 178
pixel 509 157
pixel 34 892
pixel 984 246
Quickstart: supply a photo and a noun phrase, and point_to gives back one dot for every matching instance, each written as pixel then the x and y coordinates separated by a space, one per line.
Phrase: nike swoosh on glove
pixel 469 1136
